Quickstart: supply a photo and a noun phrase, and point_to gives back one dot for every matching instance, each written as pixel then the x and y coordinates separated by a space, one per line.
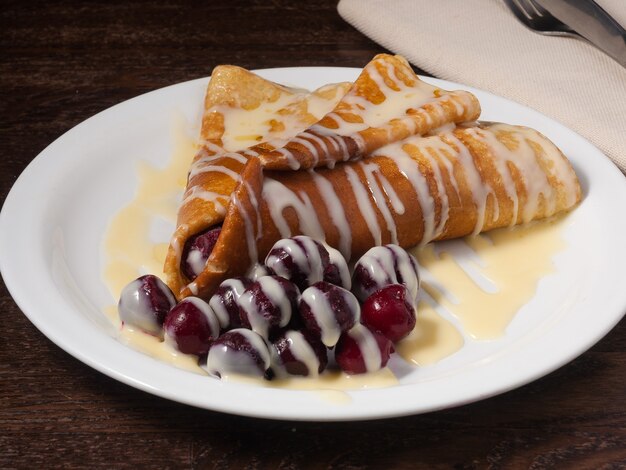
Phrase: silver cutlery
pixel 579 18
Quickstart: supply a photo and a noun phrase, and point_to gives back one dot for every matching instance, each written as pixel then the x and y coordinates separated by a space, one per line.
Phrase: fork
pixel 585 19
pixel 537 18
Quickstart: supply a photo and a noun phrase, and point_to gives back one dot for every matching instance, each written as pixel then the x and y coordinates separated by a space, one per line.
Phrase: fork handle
pixel 590 20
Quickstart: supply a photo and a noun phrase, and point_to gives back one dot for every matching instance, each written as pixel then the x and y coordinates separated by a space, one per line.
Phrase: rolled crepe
pixel 455 183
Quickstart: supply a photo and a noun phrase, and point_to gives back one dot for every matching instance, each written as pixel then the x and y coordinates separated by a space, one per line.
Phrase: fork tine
pixel 518 11
pixel 541 11
pixel 527 8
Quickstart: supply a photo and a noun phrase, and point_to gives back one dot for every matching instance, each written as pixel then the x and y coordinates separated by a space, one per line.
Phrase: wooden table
pixel 62 62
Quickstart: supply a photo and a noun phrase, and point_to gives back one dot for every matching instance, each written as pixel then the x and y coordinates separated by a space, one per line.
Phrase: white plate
pixel 53 220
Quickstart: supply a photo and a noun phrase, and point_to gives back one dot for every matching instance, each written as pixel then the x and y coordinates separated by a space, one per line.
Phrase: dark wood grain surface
pixel 61 62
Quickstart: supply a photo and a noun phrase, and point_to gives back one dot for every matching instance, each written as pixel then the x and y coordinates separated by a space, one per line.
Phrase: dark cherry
pixel 298 353
pixel 268 304
pixel 384 265
pixel 225 301
pixel 145 302
pixel 328 310
pixel 389 312
pixel 239 351
pixel 300 259
pixel 191 325
pixel 197 250
pixel 337 271
pixel 354 354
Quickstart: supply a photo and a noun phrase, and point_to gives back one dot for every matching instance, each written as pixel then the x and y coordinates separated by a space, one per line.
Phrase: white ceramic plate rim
pixel 32 248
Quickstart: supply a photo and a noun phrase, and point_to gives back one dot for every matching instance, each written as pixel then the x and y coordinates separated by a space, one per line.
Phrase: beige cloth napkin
pixel 480 43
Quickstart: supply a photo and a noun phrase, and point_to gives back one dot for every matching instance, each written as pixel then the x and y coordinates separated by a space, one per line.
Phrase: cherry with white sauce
pixel 298 353
pixel 267 305
pixel 361 350
pixel 190 326
pixel 337 271
pixel 384 265
pixel 197 251
pixel 328 310
pixel 240 352
pixel 144 303
pixel 390 312
pixel 300 259
pixel 225 301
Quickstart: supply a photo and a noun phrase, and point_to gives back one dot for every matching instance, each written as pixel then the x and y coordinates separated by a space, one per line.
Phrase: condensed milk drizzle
pixel 279 198
pixel 366 208
pixel 372 175
pixel 336 211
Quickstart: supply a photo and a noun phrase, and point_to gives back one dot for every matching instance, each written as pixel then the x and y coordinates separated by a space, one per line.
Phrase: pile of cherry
pixel 286 317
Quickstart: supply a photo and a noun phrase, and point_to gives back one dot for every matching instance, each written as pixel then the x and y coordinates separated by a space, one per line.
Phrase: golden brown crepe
pixel 386 103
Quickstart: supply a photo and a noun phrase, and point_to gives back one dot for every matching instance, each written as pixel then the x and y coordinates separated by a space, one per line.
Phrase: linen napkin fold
pixel 480 43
